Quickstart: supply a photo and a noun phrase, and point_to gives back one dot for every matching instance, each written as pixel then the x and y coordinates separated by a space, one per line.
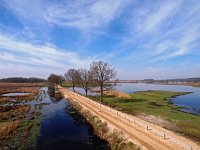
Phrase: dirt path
pixel 146 134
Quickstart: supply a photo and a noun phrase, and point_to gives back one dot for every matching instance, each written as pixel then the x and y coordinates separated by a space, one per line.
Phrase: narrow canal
pixel 62 127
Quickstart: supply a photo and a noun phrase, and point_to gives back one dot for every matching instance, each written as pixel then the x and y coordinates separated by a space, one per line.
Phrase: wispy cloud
pixel 164 30
pixel 14 50
pixel 153 18
pixel 79 14
pixel 61 34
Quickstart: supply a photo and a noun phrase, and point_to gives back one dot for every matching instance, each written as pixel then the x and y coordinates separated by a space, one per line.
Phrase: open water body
pixel 190 102
pixel 63 128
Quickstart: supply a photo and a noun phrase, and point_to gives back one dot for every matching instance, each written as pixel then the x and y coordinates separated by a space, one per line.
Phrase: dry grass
pixel 114 93
pixel 13 112
pixel 117 94
pixel 8 128
pixel 19 87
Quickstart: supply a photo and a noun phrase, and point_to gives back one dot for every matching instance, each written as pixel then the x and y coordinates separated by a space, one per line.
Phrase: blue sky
pixel 140 38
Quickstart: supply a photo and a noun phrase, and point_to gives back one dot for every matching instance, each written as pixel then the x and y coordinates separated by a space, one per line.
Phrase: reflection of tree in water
pixel 77 117
pixel 55 96
pixel 54 100
pixel 94 141
pixel 51 91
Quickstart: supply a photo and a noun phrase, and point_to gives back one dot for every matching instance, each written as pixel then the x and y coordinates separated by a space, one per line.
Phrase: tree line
pixel 23 80
pixel 98 74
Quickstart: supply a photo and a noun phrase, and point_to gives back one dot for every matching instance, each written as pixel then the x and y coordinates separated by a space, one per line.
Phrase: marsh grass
pixel 18 88
pixel 19 127
pixel 8 128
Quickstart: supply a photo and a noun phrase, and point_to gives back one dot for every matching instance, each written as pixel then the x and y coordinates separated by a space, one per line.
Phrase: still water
pixel 190 102
pixel 62 127
pixel 15 94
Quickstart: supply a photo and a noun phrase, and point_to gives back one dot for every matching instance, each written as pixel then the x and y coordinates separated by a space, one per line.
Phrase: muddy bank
pixel 117 140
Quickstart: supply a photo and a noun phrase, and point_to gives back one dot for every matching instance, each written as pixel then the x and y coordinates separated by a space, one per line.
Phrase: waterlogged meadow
pixel 19 119
pixel 32 121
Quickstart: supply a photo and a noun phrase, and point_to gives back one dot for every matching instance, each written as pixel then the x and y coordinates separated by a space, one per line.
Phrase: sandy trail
pixel 146 134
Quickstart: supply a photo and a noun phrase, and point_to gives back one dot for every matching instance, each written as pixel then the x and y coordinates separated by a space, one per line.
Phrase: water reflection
pixel 62 127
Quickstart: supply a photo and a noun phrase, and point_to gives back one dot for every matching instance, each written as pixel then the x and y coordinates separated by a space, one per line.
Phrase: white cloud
pixel 79 14
pixel 14 50
pixel 155 19
pixel 164 30
pixel 84 14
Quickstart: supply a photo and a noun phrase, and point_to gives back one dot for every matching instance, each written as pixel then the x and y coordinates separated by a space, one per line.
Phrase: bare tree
pixel 55 79
pixel 102 72
pixel 72 76
pixel 85 79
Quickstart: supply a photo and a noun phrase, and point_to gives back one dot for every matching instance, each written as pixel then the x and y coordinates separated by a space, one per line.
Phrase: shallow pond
pixel 62 127
pixel 15 94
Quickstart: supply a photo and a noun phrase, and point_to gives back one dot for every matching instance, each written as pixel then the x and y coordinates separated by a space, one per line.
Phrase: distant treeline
pixel 187 80
pixel 23 80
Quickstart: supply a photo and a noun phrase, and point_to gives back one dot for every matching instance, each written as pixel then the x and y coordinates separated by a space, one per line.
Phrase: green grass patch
pixel 158 103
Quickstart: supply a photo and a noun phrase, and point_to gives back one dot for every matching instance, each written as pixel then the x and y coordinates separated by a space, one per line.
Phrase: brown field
pixel 15 120
pixel 19 87
pixel 117 94
pixel 8 128
pixel 114 93
pixel 13 112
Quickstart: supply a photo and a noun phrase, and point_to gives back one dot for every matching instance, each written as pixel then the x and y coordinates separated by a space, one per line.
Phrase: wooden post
pixel 191 148
pixel 164 136
pixel 147 128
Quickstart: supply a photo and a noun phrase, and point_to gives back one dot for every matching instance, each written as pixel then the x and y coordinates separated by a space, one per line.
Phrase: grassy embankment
pixel 116 139
pixel 157 103
pixel 19 125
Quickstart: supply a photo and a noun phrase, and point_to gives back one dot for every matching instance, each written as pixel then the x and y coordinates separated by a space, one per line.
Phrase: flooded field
pixel 19 119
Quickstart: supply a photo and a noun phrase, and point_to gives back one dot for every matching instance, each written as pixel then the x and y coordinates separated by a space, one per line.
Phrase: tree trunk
pixel 86 92
pixel 101 92
pixel 73 88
